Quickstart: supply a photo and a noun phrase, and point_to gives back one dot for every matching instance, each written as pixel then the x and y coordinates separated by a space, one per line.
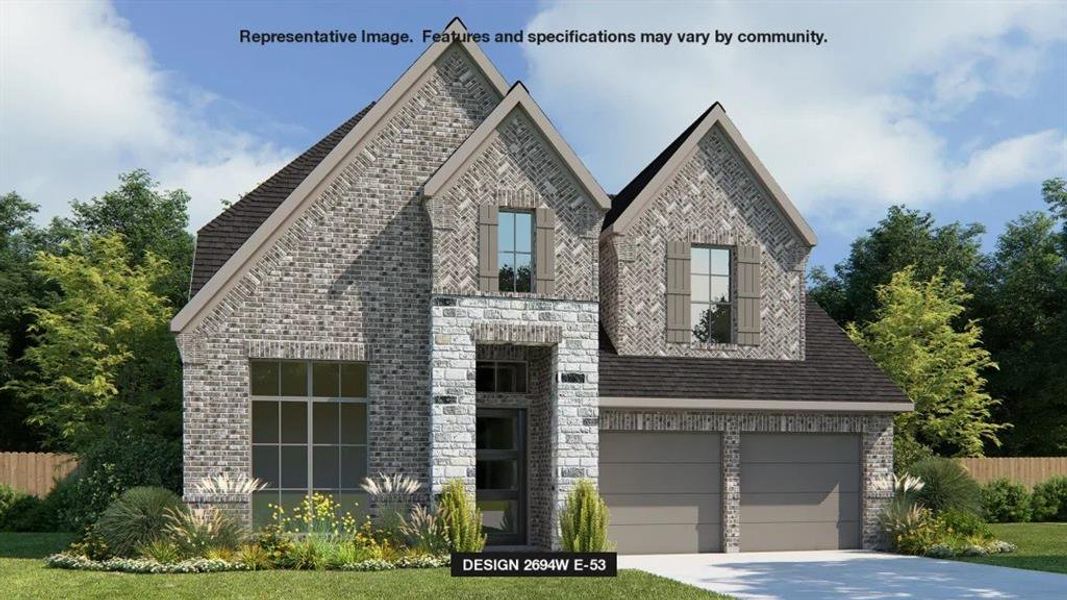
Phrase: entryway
pixel 501 474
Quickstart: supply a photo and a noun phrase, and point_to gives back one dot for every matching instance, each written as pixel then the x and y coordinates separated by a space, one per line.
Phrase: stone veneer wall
pixel 713 199
pixel 877 460
pixel 568 417
pixel 349 280
pixel 516 168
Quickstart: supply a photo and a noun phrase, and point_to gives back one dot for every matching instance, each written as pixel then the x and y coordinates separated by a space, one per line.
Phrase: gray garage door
pixel 662 490
pixel 800 491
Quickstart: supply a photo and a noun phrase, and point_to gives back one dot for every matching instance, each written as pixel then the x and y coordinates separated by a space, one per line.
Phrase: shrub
pixel 392 495
pixel 319 515
pixel 424 531
pixel 965 524
pixel 19 511
pixel 946 486
pixel 226 484
pixel 1004 501
pixel 254 557
pixel 462 521
pixel 200 530
pixel 160 550
pixel 909 527
pixel 1049 500
pixel 583 522
pixel 136 518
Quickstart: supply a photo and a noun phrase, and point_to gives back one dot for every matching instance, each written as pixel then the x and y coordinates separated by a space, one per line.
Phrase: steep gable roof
pixel 631 200
pixel 276 223
pixel 517 98
pixel 834 370
pixel 219 239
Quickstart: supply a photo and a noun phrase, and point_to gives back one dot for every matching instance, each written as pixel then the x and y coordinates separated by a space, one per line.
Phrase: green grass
pixel 22 575
pixel 1042 547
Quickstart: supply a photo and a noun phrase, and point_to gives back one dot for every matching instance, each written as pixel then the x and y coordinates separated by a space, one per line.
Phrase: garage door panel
pixel 638 509
pixel 665 539
pixel 764 537
pixel 637 478
pixel 659 447
pixel 788 447
pixel 800 507
pixel 800 491
pixel 798 477
pixel 662 490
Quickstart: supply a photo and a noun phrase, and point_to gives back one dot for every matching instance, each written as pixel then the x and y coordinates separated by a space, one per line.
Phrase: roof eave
pixel 213 291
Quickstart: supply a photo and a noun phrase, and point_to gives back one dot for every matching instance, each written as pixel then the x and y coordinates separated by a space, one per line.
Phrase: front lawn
pixel 1042 547
pixel 22 575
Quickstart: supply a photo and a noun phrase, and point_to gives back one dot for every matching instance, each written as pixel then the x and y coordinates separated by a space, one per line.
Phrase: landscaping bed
pixel 24 575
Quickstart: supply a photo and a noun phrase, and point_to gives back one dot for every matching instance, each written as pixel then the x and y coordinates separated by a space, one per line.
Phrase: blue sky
pixel 956 108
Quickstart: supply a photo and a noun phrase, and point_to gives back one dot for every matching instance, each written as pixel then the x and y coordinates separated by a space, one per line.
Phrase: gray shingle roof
pixel 218 240
pixel 835 369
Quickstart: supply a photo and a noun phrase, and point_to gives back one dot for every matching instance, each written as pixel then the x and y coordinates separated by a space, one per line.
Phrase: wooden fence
pixel 1027 471
pixel 34 472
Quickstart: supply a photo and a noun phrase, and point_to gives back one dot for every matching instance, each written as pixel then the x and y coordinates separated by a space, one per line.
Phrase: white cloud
pixel 81 100
pixel 847 128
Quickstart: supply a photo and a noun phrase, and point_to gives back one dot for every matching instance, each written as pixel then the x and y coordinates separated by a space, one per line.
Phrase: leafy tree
pixel 150 221
pixel 904 237
pixel 938 366
pixel 19 287
pixel 1023 306
pixel 104 363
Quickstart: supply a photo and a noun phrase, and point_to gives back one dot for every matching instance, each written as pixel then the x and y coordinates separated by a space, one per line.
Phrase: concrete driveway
pixel 848 574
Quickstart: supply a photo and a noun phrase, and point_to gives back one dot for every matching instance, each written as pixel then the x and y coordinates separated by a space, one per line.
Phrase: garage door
pixel 800 491
pixel 662 490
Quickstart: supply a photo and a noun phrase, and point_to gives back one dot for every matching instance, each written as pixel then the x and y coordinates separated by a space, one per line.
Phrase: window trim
pixel 731 289
pixel 507 210
pixel 495 363
pixel 309 400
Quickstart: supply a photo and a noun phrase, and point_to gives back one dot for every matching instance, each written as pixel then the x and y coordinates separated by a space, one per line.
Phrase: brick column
pixel 877 476
pixel 731 486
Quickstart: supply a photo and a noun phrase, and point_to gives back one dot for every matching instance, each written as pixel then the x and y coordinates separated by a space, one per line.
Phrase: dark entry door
pixel 501 474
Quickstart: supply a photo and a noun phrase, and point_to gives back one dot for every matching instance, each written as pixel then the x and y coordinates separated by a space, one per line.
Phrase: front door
pixel 501 474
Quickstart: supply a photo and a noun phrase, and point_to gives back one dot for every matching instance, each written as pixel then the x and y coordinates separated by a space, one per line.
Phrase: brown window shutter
pixel 748 295
pixel 487 249
pixel 678 326
pixel 545 254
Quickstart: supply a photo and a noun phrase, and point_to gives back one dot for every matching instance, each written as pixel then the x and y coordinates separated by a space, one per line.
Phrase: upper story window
pixel 309 432
pixel 515 232
pixel 711 303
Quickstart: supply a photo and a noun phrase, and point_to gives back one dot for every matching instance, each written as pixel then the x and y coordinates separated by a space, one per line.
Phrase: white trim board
pixel 290 210
pixel 715 116
pixel 760 405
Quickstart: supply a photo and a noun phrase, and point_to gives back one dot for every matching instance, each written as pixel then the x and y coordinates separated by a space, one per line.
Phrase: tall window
pixel 515 245
pixel 309 432
pixel 711 309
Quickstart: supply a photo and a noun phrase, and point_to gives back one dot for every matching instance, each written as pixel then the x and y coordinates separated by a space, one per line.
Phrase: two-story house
pixel 440 288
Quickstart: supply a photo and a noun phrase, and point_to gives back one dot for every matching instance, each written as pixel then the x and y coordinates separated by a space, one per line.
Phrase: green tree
pixel 904 237
pixel 150 220
pixel 939 366
pixel 1023 306
pixel 19 287
pixel 104 363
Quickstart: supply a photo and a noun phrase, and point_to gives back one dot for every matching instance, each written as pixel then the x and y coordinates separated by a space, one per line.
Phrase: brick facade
pixel 373 272
pixel 712 199
pixel 351 278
